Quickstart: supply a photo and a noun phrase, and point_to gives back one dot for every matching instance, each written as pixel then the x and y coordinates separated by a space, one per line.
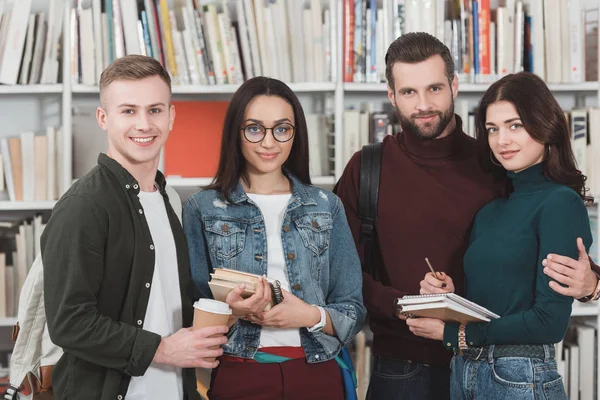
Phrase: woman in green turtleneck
pixel 523 133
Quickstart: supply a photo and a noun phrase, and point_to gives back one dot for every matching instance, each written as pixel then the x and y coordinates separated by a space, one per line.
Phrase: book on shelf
pixel 485 43
pixel 208 42
pixel 32 166
pixel 448 307
pixel 224 280
pixel 30 43
pixel 19 243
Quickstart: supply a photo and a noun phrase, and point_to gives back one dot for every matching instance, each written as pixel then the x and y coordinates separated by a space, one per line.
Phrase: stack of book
pixel 224 280
pixel 448 307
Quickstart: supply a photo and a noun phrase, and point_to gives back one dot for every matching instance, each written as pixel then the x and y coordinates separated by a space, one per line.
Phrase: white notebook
pixel 445 306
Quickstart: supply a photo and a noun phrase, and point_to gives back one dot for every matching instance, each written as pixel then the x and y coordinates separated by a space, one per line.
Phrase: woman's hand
pixel 292 312
pixel 438 283
pixel 427 327
pixel 253 304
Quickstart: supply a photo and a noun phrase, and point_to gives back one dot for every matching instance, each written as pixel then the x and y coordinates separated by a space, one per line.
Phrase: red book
pixel 194 145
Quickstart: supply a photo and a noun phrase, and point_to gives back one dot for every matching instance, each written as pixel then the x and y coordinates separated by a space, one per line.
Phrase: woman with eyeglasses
pixel 262 215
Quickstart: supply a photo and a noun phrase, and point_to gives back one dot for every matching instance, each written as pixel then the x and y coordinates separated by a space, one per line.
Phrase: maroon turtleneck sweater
pixel 430 191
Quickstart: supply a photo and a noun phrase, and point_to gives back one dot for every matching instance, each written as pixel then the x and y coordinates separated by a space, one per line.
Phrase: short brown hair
pixel 132 68
pixel 415 47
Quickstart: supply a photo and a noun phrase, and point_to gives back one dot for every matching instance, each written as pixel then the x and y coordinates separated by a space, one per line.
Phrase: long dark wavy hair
pixel 542 118
pixel 232 164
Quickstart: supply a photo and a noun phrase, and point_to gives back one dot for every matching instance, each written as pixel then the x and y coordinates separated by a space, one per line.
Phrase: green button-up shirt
pixel 98 259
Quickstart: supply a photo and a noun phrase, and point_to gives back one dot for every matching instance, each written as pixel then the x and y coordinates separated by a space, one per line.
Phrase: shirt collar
pixel 299 192
pixel 125 178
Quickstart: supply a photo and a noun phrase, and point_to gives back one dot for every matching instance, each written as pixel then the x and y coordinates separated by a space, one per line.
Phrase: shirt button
pixel 141 211
pixel 316 356
pixel 151 247
pixel 225 228
pixel 470 343
pixel 135 186
pixel 291 256
pixel 147 285
pixel 297 286
pixel 449 344
pixel 286 228
pixel 139 322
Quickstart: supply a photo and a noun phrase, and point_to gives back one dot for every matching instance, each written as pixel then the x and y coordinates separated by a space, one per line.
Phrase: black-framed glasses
pixel 255 132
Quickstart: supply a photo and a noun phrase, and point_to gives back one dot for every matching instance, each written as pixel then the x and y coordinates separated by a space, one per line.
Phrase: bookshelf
pixel 33 107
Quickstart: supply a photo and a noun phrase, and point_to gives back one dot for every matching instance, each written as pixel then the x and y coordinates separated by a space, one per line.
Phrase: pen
pixel 433 271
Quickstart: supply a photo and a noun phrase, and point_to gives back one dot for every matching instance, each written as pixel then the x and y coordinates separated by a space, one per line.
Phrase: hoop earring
pixel 496 163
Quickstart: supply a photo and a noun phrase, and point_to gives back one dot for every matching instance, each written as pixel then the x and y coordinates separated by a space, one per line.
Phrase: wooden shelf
pixel 177 182
pixel 476 87
pixel 31 89
pixel 309 87
pixel 26 205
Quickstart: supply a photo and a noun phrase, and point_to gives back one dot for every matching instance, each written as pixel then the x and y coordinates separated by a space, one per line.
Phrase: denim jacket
pixel 322 263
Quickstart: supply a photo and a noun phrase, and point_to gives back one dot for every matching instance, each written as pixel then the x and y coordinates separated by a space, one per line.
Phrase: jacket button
pixel 139 322
pixel 291 256
pixel 315 224
pixel 286 228
pixel 119 397
pixel 225 228
pixel 297 286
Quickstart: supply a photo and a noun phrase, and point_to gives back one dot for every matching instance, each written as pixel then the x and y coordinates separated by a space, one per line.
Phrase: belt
pixel 509 350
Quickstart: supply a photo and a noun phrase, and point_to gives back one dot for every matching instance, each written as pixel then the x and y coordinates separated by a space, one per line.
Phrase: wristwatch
pixel 595 294
pixel 318 327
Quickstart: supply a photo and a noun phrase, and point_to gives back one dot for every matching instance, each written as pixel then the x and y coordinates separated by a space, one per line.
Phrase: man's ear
pixel 391 95
pixel 171 117
pixel 455 86
pixel 101 117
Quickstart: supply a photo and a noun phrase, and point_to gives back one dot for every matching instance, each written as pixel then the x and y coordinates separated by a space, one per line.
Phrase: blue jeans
pixel 394 379
pixel 514 378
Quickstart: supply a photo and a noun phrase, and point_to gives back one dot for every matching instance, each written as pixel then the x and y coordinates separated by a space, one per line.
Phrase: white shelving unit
pixel 8 322
pixel 340 94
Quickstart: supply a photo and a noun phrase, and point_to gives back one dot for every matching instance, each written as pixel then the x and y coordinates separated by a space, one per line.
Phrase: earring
pixel 492 160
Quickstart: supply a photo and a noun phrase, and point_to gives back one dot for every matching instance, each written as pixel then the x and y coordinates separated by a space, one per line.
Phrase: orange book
pixel 484 37
pixel 194 144
pixel 348 41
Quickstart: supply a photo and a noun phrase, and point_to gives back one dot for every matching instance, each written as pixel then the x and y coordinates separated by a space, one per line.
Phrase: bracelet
pixel 594 296
pixel 462 337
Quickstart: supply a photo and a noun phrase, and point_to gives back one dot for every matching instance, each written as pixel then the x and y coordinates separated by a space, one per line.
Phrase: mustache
pixel 428 114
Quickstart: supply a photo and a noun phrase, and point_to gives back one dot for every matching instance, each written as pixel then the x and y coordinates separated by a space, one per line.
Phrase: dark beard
pixel 432 131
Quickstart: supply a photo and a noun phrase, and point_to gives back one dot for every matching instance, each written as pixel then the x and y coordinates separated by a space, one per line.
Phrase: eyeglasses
pixel 255 133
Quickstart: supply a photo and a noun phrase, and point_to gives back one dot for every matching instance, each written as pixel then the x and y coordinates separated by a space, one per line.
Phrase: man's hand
pixel 438 283
pixel 188 348
pixel 577 275
pixel 429 328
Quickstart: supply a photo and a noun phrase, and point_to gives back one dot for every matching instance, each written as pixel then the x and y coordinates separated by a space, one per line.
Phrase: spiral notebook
pixel 449 307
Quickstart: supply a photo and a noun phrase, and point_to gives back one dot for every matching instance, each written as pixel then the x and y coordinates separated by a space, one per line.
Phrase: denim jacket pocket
pixel 225 237
pixel 315 230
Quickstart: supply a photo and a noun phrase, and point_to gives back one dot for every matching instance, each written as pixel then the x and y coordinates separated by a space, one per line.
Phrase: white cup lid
pixel 213 306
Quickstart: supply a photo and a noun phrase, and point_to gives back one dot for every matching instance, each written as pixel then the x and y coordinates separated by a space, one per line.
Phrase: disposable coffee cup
pixel 209 312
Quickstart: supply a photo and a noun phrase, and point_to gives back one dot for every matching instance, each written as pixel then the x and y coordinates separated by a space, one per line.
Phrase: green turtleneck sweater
pixel 503 264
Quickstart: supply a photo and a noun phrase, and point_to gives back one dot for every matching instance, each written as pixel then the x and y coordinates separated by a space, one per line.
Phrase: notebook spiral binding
pixel 277 294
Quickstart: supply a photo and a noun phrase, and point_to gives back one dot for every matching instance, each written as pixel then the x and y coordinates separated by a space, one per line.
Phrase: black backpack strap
pixel 368 196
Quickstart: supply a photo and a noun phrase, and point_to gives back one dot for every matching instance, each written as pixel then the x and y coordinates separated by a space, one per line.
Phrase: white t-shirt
pixel 273 209
pixel 163 315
